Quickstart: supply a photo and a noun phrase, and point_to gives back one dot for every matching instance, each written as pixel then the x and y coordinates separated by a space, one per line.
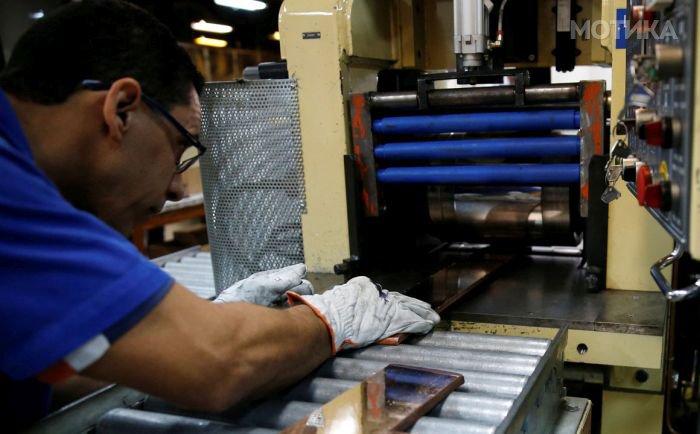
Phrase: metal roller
pixel 277 414
pixel 507 385
pixel 510 174
pixel 517 147
pixel 473 407
pixel 319 389
pixel 432 425
pixel 193 280
pixel 521 345
pixel 201 267
pixel 538 217
pixel 200 259
pixel 477 96
pixel 450 359
pixel 124 420
pixel 568 119
pixel 282 414
pixel 458 405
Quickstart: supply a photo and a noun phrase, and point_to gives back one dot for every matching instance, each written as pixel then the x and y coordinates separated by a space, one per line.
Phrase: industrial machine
pixel 490 181
pixel 422 143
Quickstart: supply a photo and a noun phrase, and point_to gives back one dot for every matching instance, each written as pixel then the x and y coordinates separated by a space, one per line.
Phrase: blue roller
pixel 480 122
pixel 561 146
pixel 504 174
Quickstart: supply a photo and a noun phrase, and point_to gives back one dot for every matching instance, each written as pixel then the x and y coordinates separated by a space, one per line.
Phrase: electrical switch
pixel 658 5
pixel 668 61
pixel 643 181
pixel 629 169
pixel 641 18
pixel 665 132
pixel 642 116
pixel 658 196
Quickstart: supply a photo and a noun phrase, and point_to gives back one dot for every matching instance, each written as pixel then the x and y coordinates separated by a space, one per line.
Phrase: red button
pixel 658 196
pixel 653 196
pixel 643 181
pixel 653 133
pixel 639 13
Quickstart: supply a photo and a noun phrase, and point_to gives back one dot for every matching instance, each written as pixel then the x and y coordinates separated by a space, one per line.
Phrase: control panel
pixel 657 160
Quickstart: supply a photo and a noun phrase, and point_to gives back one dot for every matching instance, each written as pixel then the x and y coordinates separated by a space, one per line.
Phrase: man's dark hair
pixel 99 40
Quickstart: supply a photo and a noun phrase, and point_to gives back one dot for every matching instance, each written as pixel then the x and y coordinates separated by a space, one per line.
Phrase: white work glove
pixel 359 313
pixel 268 288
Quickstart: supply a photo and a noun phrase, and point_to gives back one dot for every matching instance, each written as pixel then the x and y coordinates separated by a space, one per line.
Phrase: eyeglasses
pixel 180 166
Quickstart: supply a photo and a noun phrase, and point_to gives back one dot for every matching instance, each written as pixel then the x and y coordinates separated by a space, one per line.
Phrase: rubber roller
pixel 527 147
pixel 479 122
pixel 511 174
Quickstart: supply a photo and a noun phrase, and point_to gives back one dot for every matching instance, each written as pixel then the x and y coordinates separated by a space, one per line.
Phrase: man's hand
pixel 268 288
pixel 359 313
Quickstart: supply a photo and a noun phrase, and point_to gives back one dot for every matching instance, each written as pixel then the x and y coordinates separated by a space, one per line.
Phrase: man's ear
pixel 122 100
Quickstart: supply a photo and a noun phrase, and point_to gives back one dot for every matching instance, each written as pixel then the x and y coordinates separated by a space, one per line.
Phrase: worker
pixel 97 105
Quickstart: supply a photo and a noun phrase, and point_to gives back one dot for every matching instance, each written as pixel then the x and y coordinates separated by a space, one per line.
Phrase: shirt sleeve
pixel 67 277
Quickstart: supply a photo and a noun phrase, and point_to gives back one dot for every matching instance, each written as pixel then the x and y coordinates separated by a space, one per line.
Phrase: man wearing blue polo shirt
pixel 97 105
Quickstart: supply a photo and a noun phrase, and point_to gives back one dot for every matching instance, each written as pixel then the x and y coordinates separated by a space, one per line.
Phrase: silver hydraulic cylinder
pixel 471 25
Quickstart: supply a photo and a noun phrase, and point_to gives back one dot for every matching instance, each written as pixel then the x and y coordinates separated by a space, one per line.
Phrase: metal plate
pixel 252 177
pixel 389 401
pixel 551 291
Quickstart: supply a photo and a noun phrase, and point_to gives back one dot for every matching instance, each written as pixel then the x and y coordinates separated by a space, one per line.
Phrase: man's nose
pixel 176 188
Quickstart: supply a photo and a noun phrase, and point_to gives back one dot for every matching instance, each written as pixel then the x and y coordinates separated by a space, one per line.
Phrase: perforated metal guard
pixel 252 177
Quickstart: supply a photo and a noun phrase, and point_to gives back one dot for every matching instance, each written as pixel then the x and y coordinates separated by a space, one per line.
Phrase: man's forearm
pixel 209 356
pixel 281 347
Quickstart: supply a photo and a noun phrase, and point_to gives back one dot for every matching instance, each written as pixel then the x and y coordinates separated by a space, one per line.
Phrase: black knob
pixel 641 376
pixel 629 173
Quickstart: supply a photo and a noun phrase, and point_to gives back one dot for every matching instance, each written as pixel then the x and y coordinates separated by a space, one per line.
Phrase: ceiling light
pixel 210 42
pixel 37 15
pixel 203 26
pixel 275 36
pixel 248 5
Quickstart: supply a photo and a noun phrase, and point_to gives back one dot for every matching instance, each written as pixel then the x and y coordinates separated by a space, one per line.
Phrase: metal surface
pixel 467 410
pixel 539 216
pixel 575 416
pixel 252 177
pixel 674 97
pixel 124 420
pixel 592 135
pixel 471 32
pixel 395 398
pixel 448 358
pixel 506 385
pixel 496 369
pixel 192 269
pixel 452 283
pixel 551 291
pixel 459 405
pixel 476 96
pixel 82 415
pixel 363 153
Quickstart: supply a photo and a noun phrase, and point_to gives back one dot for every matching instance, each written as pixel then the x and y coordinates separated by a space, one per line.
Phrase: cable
pixel 499 33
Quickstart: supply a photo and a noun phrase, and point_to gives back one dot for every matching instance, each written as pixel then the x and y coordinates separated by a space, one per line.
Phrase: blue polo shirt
pixel 65 277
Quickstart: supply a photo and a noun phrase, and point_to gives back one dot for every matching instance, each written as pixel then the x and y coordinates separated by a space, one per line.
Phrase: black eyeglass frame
pixel 180 166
